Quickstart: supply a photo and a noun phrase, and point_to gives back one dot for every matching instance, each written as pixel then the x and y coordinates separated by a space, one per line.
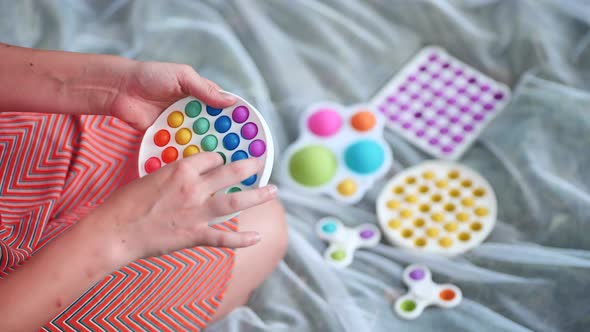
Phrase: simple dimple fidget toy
pixel 189 126
pixel 344 240
pixel 438 207
pixel 340 152
pixel 439 103
pixel 424 292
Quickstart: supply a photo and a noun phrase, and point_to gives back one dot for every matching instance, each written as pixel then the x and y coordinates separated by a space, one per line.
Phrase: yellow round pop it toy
pixel 438 207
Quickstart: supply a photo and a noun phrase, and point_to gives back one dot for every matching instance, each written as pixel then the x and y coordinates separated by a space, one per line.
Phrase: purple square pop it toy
pixel 439 103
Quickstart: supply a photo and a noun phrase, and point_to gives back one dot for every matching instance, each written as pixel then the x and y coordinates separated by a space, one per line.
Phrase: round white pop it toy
pixel 424 292
pixel 340 152
pixel 438 207
pixel 190 126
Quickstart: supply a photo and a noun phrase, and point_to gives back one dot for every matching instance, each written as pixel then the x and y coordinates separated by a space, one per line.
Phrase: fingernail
pixel 228 97
pixel 257 237
pixel 272 189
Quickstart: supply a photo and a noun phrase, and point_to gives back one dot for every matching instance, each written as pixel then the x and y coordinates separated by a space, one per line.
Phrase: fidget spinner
pixel 189 126
pixel 340 152
pixel 344 241
pixel 438 207
pixel 439 103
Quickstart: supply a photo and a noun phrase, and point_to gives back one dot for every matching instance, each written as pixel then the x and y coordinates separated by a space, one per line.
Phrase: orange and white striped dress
pixel 54 170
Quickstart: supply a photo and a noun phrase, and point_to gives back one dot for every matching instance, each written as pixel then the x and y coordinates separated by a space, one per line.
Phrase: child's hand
pixel 170 208
pixel 147 88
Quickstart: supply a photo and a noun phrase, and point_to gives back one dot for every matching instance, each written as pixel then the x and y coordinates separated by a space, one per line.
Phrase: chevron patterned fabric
pixel 54 170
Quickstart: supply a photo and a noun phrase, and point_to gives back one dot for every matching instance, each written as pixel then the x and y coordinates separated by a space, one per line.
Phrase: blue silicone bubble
pixel 213 111
pixel 231 141
pixel 329 228
pixel 222 124
pixel 364 156
pixel 239 155
pixel 250 181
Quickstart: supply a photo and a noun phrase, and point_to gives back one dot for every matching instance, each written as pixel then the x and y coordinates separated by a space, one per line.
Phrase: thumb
pixel 224 239
pixel 205 90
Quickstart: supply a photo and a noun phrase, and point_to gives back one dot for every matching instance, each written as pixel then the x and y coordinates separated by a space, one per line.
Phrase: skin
pixel 124 228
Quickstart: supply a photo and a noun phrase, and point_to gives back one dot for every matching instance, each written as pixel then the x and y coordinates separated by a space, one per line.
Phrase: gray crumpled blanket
pixel 533 272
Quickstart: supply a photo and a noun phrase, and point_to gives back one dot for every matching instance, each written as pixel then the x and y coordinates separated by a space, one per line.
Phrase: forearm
pixel 58 82
pixel 55 277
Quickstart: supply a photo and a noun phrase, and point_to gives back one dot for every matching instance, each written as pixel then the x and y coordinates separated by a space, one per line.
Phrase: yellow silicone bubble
pixel 445 242
pixel 437 217
pixel 466 183
pixel 411 199
pixel 463 216
pixel 175 119
pixel 392 204
pixel 464 237
pixel 467 202
pixel 347 187
pixel 394 223
pixel 454 174
pixel 398 190
pixel 423 189
pixel 441 184
pixel 451 227
pixel 407 233
pixel 405 213
pixel 424 208
pixel 432 232
pixel 183 136
pixel 481 211
pixel 419 222
pixel 190 150
pixel 420 242
pixel 479 192
pixel 449 207
pixel 410 180
pixel 454 192
pixel 428 175
pixel 476 226
pixel 436 198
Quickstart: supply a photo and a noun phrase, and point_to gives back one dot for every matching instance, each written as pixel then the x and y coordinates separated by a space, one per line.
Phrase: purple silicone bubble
pixel 498 96
pixel 415 96
pixel 412 78
pixel 433 141
pixel 454 119
pixel 472 80
pixel 478 117
pixel 474 98
pixel 404 107
pixel 484 88
pixel 433 57
pixel 382 109
pixel 441 111
pixel 394 118
pixel 240 114
pixel 249 130
pixel 417 115
pixel 391 99
pixel 458 138
pixel 407 125
pixel 428 104
pixel 447 149
pixel 488 107
pixel 422 68
pixel 448 82
pixel 446 65
pixel 417 274
pixel 461 90
pixel 451 101
pixel 459 72
pixel 257 148
pixel 402 88
pixel 367 234
pixel 420 133
pixel 425 86
pixel 468 127
pixel 431 122
pixel 444 130
pixel 464 109
pixel 438 93
pixel 435 75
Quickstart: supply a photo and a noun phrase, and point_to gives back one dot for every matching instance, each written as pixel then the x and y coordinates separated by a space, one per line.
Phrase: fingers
pixel 217 238
pixel 232 173
pixel 205 90
pixel 221 205
pixel 204 162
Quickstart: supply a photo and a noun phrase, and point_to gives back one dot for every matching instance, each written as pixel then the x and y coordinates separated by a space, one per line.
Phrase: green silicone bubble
pixel 408 305
pixel 209 143
pixel 201 126
pixel 313 166
pixel 338 255
pixel 193 108
pixel 234 190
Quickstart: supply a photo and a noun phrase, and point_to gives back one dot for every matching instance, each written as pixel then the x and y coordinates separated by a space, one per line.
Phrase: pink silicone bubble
pixel 444 130
pixel 402 88
pixel 448 82
pixel 404 107
pixel 325 122
pixel 459 72
pixel 433 57
pixel 240 114
pixel 415 96
pixel 420 133
pixel 382 109
pixel 474 98
pixel 422 68
pixel 498 95
pixel 391 99
pixel 468 127
pixel 407 125
pixel 433 141
pixel 464 109
pixel 431 122
pixel 478 117
pixel 394 118
pixel 451 101
pixel 447 149
pixel 425 86
pixel 484 88
pixel 461 90
pixel 438 93
pixel 488 107
pixel 435 75
pixel 472 80
pixel 458 138
pixel 428 103
pixel 257 148
pixel 441 111
pixel 454 119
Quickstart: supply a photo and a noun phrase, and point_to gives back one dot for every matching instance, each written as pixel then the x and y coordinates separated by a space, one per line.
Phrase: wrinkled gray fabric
pixel 532 274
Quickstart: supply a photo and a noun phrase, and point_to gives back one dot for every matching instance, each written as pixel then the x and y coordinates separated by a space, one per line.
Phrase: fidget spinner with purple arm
pixel 423 292
pixel 344 241
pixel 439 103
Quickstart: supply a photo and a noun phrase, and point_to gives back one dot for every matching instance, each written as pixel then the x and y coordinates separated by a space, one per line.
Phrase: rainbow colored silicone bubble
pixel 439 103
pixel 423 292
pixel 340 152
pixel 438 207
pixel 344 241
pixel 189 127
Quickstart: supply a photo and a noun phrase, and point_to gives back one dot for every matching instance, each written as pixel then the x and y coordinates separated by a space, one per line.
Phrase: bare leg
pixel 255 263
